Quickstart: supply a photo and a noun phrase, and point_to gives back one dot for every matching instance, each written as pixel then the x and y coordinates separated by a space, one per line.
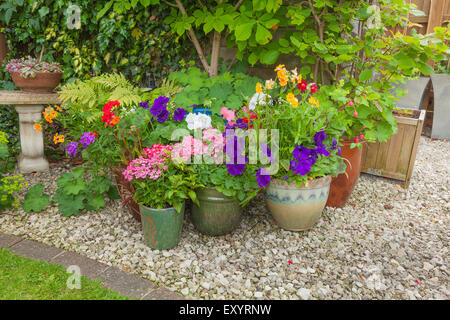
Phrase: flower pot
pixel 217 214
pixel 342 186
pixel 43 82
pixel 297 208
pixel 161 227
pixel 126 192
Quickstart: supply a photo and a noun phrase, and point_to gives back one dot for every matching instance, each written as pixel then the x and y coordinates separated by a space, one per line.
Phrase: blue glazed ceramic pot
pixel 297 208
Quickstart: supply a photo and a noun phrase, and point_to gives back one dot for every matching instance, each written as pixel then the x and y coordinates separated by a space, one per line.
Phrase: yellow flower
pixel 294 103
pixel 38 127
pixel 283 81
pixel 290 97
pixel 258 87
pixel 58 138
pixel 313 101
pixel 297 79
pixel 280 67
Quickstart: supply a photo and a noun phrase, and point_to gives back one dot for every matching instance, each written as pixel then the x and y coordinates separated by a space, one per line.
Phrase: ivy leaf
pixel 35 200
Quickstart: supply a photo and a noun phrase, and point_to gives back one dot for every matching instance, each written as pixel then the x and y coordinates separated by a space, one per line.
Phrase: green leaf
pixel 95 202
pixel 270 57
pixel 263 36
pixel 43 11
pixel 259 5
pixel 365 75
pixel 35 200
pixel 244 31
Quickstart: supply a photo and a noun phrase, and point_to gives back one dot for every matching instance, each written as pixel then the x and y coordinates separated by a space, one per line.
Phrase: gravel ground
pixel 386 243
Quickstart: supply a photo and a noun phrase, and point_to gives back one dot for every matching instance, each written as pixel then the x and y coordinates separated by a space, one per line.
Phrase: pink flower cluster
pixel 150 166
pixel 190 146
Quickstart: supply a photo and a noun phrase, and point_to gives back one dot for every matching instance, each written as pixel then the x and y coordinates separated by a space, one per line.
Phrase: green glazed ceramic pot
pixel 297 208
pixel 217 214
pixel 162 228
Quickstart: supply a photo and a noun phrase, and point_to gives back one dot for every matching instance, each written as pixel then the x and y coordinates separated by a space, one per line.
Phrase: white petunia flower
pixel 258 99
pixel 198 121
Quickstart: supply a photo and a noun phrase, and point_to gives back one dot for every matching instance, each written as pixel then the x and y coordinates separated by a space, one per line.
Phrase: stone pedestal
pixel 31 141
pixel 29 106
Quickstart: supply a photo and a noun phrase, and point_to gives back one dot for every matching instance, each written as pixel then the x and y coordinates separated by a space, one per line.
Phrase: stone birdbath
pixel 29 106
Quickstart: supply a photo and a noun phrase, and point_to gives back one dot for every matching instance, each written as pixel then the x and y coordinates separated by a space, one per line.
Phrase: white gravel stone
pixel 386 243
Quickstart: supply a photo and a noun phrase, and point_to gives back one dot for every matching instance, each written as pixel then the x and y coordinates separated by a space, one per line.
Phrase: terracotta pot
pixel 342 186
pixel 43 82
pixel 126 191
pixel 297 208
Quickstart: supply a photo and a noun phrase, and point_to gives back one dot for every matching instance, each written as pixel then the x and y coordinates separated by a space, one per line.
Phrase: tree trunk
pixel 215 55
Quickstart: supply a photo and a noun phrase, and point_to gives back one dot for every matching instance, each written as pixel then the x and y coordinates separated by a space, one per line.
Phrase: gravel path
pixel 386 243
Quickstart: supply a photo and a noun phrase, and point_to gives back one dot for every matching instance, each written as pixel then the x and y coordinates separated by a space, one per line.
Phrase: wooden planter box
pixel 395 157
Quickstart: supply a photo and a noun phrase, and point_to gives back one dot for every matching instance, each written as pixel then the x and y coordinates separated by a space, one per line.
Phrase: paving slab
pixel 125 283
pixel 7 240
pixel 35 250
pixel 88 267
pixel 162 294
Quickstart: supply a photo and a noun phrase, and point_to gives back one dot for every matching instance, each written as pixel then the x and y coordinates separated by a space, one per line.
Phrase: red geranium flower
pixel 313 88
pixel 302 85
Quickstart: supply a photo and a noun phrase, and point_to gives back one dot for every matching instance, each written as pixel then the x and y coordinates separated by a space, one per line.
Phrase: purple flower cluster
pixel 240 124
pixel 233 166
pixel 144 105
pixel 179 114
pixel 72 149
pixel 262 179
pixel 86 139
pixel 159 108
pixel 305 158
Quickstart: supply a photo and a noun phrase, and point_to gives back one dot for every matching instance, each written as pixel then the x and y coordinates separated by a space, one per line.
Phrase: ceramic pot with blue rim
pixel 297 208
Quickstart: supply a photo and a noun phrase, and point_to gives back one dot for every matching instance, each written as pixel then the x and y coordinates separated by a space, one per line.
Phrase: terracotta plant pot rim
pixel 38 72
pixel 350 141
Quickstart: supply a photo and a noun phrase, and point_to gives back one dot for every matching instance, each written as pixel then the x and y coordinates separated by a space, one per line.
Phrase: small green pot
pixel 162 228
pixel 217 214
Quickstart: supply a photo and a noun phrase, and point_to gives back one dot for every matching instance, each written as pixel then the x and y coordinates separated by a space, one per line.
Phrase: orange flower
pixel 283 82
pixel 38 127
pixel 115 121
pixel 258 87
pixel 58 138
pixel 58 108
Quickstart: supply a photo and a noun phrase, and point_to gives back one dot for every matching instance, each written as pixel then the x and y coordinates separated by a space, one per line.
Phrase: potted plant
pixel 228 185
pixel 308 149
pixel 162 186
pixel 33 75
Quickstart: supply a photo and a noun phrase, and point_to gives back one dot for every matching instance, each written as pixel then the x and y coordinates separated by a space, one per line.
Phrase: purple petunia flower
pixel 162 116
pixel 160 106
pixel 235 169
pixel 301 167
pixel 262 179
pixel 144 105
pixel 322 150
pixel 179 114
pixel 72 149
pixel 86 139
pixel 319 137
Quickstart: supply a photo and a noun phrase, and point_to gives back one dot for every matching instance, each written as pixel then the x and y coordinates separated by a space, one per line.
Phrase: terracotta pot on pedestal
pixel 342 186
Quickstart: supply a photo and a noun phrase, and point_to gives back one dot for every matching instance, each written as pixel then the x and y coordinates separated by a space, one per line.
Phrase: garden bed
pixel 387 242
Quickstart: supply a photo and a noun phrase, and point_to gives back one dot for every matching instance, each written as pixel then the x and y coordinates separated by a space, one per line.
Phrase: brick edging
pixel 113 278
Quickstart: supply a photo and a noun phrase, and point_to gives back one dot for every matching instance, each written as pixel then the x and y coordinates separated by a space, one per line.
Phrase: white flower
pixel 198 121
pixel 258 99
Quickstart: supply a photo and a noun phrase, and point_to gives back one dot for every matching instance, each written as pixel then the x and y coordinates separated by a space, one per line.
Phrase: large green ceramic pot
pixel 297 208
pixel 161 227
pixel 217 214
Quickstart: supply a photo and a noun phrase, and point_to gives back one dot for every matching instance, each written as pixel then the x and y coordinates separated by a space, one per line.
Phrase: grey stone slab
pixel 35 250
pixel 127 284
pixel 88 267
pixel 162 294
pixel 7 240
pixel 413 98
pixel 441 116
